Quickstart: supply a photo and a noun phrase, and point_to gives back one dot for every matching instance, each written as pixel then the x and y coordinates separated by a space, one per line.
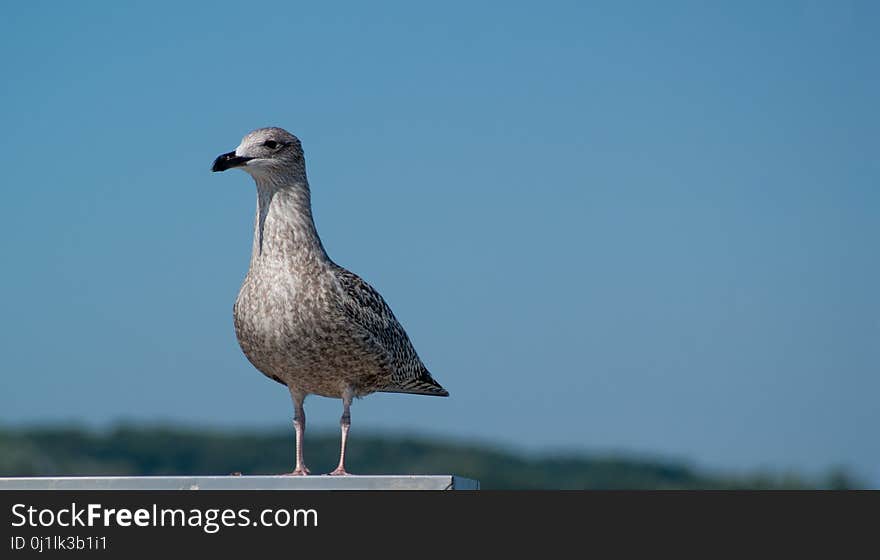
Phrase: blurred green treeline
pixel 155 450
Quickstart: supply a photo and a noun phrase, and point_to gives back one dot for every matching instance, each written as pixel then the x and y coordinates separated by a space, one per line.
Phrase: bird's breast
pixel 286 322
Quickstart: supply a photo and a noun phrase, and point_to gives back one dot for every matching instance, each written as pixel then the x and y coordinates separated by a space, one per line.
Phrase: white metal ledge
pixel 271 482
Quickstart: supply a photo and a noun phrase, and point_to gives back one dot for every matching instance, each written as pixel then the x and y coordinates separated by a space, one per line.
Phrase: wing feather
pixel 366 308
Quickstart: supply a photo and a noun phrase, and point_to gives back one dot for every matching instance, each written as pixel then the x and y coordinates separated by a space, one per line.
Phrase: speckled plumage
pixel 300 318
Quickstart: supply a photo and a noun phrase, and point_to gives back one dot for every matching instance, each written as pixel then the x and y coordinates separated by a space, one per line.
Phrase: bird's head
pixel 264 153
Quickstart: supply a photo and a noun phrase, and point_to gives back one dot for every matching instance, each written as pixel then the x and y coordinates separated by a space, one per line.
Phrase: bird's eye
pixel 271 144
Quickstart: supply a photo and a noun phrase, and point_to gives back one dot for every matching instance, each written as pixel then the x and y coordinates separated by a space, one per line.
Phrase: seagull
pixel 301 319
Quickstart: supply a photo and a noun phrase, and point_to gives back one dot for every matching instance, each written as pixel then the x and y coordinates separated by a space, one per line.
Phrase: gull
pixel 300 318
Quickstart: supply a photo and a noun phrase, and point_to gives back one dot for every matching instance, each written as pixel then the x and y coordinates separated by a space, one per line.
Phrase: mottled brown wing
pixel 366 308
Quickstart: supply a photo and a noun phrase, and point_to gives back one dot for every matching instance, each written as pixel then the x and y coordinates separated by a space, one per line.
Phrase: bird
pixel 301 319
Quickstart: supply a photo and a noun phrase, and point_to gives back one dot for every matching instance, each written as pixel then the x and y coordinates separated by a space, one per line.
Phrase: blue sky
pixel 606 226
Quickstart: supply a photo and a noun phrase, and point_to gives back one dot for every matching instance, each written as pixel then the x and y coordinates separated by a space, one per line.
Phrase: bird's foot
pixel 339 472
pixel 300 471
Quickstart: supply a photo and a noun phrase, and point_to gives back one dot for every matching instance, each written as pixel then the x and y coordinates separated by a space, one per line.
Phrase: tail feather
pixel 424 385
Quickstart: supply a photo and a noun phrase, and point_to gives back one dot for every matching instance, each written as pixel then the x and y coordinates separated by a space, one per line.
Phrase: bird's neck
pixel 284 228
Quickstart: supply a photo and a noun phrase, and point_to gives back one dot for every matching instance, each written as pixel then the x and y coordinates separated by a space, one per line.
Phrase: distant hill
pixel 139 450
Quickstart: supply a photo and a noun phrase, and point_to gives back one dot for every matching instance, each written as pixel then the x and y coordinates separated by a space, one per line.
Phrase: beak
pixel 228 161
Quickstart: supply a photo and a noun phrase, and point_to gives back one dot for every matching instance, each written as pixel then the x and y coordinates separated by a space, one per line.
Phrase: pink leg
pixel 299 425
pixel 344 424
